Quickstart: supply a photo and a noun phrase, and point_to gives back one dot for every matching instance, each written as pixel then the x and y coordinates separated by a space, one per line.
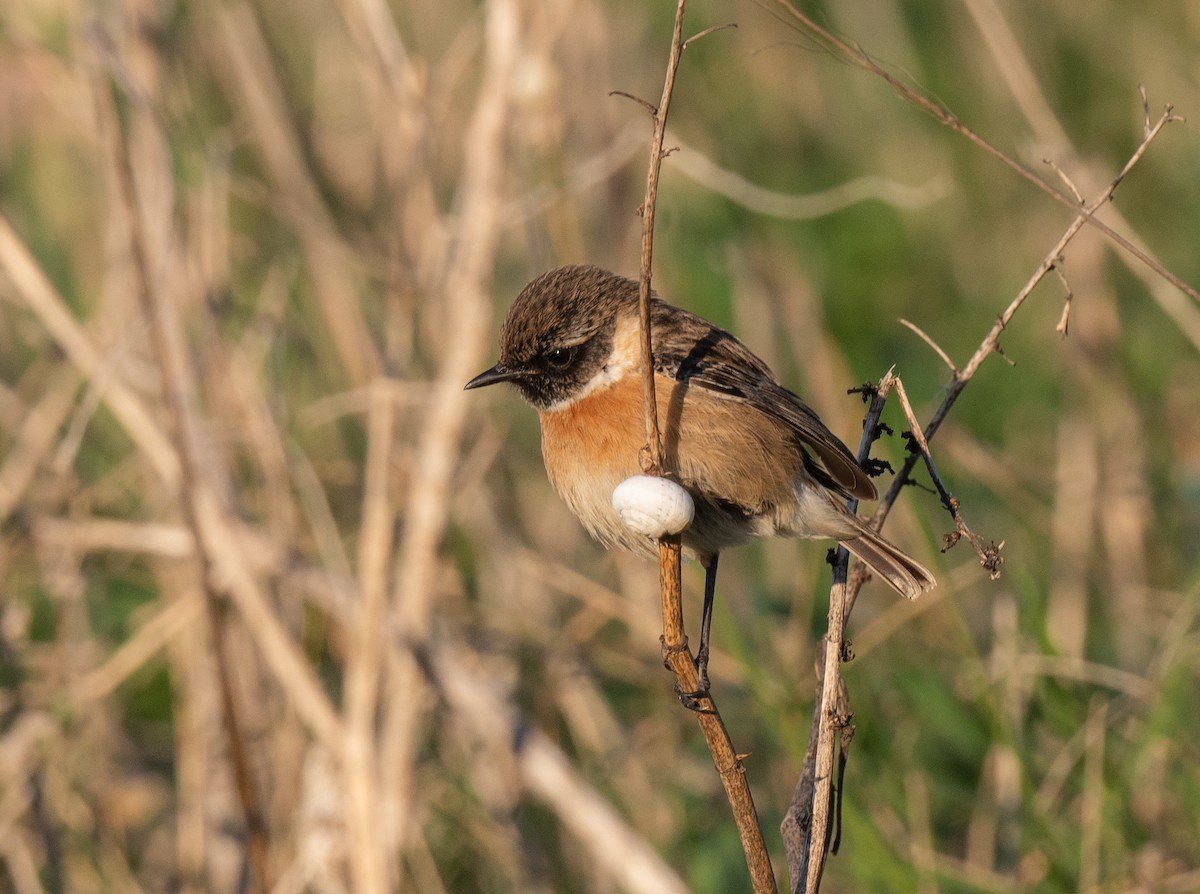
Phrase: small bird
pixel 756 460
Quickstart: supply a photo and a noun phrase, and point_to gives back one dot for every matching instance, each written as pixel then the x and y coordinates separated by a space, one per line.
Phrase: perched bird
pixel 755 459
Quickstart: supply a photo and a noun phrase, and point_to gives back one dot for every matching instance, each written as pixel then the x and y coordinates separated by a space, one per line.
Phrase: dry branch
pixel 806 827
pixel 178 392
pixel 815 786
pixel 948 118
pixel 543 769
pixel 466 294
pixel 991 341
pixel 676 653
pixel 48 305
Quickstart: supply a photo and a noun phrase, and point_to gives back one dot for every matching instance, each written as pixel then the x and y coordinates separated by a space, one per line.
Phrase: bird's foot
pixel 695 700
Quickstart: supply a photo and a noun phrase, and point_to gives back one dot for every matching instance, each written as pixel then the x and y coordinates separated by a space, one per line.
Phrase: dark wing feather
pixel 720 363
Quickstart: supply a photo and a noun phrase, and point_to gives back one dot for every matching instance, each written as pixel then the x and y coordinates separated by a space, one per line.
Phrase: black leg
pixel 710 586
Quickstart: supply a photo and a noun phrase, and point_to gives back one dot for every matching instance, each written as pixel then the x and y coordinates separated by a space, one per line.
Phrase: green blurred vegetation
pixel 308 177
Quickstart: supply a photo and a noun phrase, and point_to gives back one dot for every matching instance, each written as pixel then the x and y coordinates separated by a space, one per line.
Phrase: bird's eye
pixel 560 358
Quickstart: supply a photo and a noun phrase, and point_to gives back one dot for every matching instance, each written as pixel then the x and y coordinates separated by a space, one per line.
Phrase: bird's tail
pixel 905 574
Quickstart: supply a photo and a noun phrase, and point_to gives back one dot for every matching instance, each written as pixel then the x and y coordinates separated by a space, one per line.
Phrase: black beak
pixel 491 376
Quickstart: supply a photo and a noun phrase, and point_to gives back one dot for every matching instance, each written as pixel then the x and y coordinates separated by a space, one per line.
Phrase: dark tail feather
pixel 904 573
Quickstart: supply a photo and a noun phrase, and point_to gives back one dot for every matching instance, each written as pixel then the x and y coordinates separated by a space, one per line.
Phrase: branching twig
pixel 945 116
pixel 676 653
pixel 991 341
pixel 925 337
pixel 989 556
pixel 806 828
pixel 809 811
pixel 1068 294
pixel 707 31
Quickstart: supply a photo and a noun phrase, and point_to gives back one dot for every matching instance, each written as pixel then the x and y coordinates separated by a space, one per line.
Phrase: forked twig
pixel 1064 321
pixel 810 810
pixel 948 118
pixel 991 342
pixel 809 824
pixel 928 339
pixel 989 556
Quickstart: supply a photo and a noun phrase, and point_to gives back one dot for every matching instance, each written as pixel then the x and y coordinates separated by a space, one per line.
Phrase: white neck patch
pixel 625 356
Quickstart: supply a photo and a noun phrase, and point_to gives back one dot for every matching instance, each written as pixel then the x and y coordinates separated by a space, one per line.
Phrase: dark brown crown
pixel 559 332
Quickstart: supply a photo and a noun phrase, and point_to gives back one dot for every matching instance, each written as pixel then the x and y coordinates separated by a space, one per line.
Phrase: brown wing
pixel 719 363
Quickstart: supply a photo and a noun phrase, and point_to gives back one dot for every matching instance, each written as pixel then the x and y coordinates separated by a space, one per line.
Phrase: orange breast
pixel 591 446
pixel 721 448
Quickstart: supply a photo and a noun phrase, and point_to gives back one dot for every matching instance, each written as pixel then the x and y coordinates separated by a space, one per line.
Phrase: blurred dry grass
pixel 443 685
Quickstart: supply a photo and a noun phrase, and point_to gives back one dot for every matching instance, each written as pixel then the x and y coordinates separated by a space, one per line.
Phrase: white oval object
pixel 653 506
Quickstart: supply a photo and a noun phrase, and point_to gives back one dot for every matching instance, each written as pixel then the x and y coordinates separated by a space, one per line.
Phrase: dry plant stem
pixel 948 118
pixel 810 811
pixel 51 309
pixel 652 460
pixel 677 656
pixel 727 761
pixel 177 383
pixel 428 498
pixel 544 771
pixel 1063 321
pixel 991 342
pixel 365 661
pixel 869 436
pixel 832 717
pixel 989 557
pixel 829 717
pixel 806 827
pixel 1011 63
pixel 246 66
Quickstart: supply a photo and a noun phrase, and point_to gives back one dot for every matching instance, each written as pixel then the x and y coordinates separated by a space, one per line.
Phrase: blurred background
pixel 249 254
